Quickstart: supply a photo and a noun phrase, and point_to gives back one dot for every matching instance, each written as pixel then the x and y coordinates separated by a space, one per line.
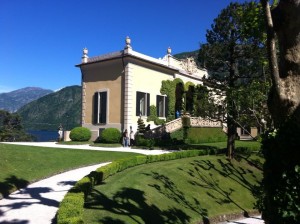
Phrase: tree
pixel 11 128
pixel 279 201
pixel 232 55
pixel 205 106
pixel 251 100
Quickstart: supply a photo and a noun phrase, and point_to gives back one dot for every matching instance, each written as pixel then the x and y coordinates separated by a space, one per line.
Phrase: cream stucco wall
pixel 146 79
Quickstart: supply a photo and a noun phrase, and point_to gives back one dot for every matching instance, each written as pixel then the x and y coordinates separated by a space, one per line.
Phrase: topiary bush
pixel 80 134
pixel 110 135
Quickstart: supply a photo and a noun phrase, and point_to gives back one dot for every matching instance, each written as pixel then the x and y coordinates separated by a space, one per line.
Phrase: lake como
pixel 44 136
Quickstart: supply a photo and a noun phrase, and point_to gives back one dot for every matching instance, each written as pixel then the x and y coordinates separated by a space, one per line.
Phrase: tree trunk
pixel 232 114
pixel 281 150
pixel 284 99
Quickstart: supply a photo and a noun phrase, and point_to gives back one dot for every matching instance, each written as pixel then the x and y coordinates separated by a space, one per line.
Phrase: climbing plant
pixel 153 116
pixel 168 87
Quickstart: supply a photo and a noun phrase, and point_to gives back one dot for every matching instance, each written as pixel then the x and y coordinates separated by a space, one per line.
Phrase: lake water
pixel 44 136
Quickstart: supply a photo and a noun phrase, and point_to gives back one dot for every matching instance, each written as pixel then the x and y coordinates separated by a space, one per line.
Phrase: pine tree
pixel 141 126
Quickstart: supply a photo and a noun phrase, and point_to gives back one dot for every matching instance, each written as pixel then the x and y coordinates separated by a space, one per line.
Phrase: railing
pixel 200 122
pixel 177 124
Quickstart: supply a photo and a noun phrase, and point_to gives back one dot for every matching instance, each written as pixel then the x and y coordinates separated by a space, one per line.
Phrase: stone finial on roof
pixel 85 56
pixel 169 50
pixel 128 43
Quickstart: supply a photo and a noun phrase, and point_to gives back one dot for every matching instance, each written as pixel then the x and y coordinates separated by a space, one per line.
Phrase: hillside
pixel 14 100
pixel 185 55
pixel 48 112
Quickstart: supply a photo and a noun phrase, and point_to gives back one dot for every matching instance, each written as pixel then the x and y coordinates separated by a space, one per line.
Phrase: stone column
pixel 128 96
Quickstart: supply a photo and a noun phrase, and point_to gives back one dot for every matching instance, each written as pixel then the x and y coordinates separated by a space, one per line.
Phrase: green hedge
pixel 201 135
pixel 110 135
pixel 71 208
pixel 80 134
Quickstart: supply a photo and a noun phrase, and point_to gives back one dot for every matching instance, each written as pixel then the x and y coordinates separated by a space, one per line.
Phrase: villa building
pixel 119 87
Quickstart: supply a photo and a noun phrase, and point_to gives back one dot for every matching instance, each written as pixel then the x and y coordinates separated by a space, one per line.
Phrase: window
pixel 142 104
pixel 100 107
pixel 161 106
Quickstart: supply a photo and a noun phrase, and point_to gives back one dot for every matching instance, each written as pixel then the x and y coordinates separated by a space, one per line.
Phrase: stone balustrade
pixel 177 124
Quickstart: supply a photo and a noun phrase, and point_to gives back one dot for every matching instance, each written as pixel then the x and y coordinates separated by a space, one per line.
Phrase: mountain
pixel 185 55
pixel 48 112
pixel 12 101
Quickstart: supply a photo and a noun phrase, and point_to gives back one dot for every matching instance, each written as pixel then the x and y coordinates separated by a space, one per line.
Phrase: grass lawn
pixel 21 165
pixel 178 191
pixel 252 145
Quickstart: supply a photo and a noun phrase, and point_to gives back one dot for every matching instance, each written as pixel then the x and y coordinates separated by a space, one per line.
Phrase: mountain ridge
pixel 12 101
pixel 58 108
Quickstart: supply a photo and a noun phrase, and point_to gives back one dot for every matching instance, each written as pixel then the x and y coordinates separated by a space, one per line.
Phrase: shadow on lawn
pixel 12 183
pixel 220 193
pixel 168 188
pixel 132 203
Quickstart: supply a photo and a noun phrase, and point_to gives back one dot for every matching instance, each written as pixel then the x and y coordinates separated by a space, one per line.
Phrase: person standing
pixel 60 133
pixel 125 138
pixel 131 138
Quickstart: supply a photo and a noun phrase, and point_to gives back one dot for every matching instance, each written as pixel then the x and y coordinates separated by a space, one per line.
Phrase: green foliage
pixel 204 104
pixel 279 198
pixel 140 140
pixel 11 128
pixel 48 112
pixel 141 126
pixel 168 88
pixel 71 209
pixel 110 135
pixel 80 134
pixel 234 56
pixel 153 116
pixel 251 99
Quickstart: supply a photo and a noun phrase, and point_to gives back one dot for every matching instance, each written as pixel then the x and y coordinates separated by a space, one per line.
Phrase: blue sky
pixel 42 40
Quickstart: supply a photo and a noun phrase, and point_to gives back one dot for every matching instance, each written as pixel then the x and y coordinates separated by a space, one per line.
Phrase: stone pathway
pixel 38 203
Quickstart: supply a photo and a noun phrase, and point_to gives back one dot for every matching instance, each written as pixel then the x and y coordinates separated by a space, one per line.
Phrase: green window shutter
pixel 148 104
pixel 103 107
pixel 95 108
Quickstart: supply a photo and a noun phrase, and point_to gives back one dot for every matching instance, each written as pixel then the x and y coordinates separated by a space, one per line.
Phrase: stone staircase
pixel 176 124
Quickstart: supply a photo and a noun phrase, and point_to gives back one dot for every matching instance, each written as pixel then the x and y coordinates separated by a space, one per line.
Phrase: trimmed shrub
pixel 140 140
pixel 71 209
pixel 110 135
pixel 80 134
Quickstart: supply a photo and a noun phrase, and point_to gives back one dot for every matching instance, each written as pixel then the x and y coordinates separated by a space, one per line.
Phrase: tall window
pixel 161 106
pixel 142 104
pixel 100 107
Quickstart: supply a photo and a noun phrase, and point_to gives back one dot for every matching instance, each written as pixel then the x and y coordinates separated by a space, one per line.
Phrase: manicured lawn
pixel 251 145
pixel 178 191
pixel 20 165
